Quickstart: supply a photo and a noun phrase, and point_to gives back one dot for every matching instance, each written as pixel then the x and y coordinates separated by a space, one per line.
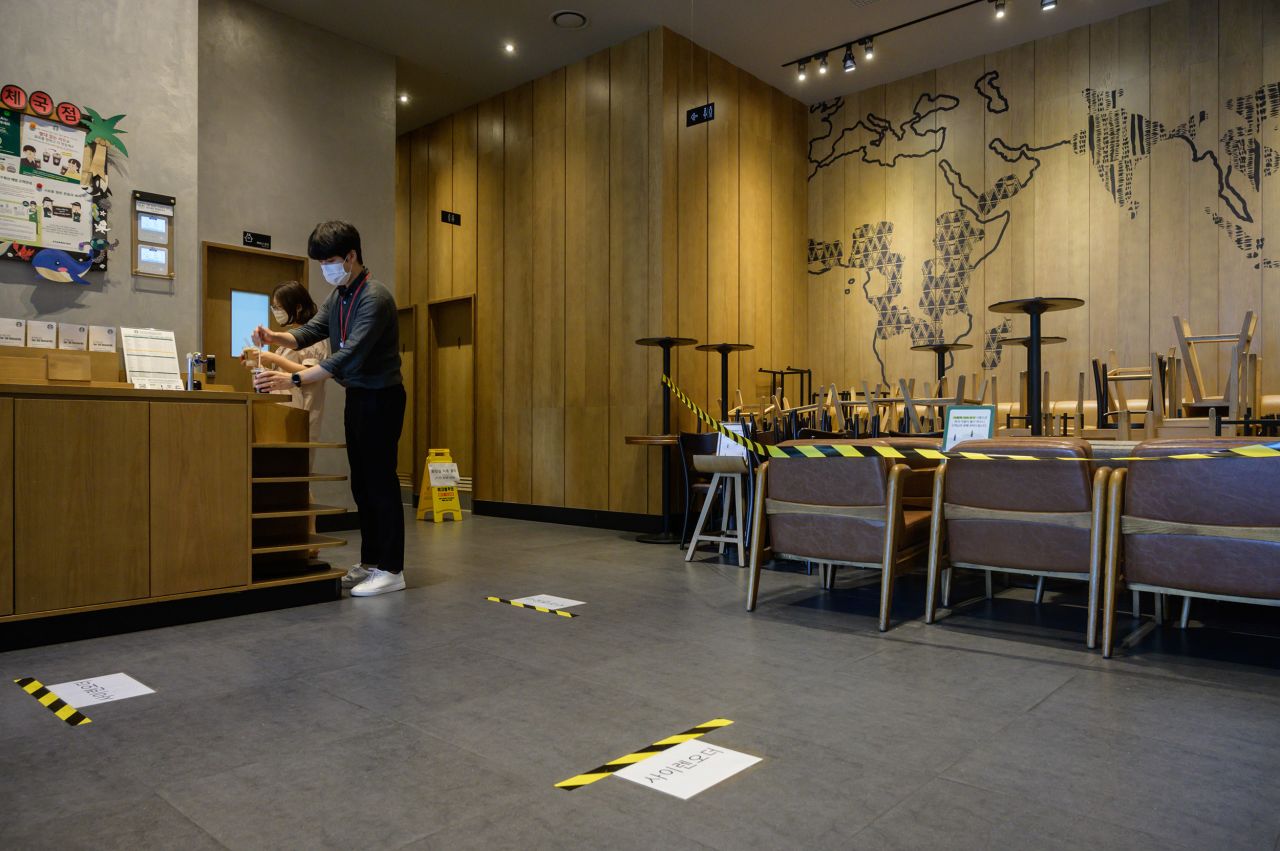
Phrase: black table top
pixel 665 341
pixel 1026 341
pixel 1036 305
pixel 725 347
pixel 941 347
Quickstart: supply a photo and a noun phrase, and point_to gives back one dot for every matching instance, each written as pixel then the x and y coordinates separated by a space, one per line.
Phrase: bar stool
pixel 731 472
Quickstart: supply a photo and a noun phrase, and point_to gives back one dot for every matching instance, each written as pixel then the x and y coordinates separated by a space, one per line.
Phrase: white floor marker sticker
pixel 548 601
pixel 688 768
pixel 91 692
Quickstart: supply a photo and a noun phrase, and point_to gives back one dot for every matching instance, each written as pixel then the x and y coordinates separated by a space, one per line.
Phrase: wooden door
pixel 407 454
pixel 80 518
pixel 6 506
pixel 231 267
pixel 451 382
pixel 199 497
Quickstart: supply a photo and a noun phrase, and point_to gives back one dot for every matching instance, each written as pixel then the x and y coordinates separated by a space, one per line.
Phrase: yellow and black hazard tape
pixel 621 762
pixel 559 612
pixel 840 450
pixel 52 702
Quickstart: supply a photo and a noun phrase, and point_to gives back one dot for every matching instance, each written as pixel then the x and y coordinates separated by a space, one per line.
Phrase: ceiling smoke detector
pixel 567 19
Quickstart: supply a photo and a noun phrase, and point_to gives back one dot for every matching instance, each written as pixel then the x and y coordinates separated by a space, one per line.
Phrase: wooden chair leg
pixel 702 517
pixel 757 538
pixel 1111 574
pixel 935 546
pixel 738 483
pixel 1039 598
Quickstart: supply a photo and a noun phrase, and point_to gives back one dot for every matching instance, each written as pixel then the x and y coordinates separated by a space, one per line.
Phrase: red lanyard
pixel 345 317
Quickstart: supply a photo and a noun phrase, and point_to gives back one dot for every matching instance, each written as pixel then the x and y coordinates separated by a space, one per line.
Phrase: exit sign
pixel 700 115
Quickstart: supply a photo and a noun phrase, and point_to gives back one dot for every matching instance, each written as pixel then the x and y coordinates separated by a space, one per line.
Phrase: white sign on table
pixel 13 332
pixel 727 448
pixel 42 335
pixel 688 768
pixel 549 601
pixel 90 692
pixel 102 338
pixel 969 422
pixel 73 337
pixel 151 359
pixel 443 475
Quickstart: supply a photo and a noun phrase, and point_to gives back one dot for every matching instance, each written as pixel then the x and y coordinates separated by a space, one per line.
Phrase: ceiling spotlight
pixel 999 4
pixel 822 64
pixel 849 63
pixel 1046 5
pixel 404 98
pixel 568 19
pixel 509 47
pixel 868 48
pixel 800 72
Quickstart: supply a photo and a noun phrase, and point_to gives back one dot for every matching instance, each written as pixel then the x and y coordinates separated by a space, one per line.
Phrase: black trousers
pixel 373 421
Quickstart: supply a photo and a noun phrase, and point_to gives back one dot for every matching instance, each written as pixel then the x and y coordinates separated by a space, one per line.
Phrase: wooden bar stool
pixel 729 471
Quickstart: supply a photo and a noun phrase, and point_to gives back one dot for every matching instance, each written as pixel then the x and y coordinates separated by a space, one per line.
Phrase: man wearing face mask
pixel 359 319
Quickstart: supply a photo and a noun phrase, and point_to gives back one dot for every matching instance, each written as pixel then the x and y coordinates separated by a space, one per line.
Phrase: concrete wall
pixel 121 56
pixel 296 126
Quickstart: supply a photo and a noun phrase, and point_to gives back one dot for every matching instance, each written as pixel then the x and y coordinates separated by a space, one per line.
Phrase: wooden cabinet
pixel 199 489
pixel 80 518
pixel 6 507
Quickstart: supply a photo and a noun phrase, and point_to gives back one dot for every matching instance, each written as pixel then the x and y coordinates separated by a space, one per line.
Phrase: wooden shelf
pixel 309 445
pixel 313 542
pixel 314 576
pixel 304 511
pixel 287 480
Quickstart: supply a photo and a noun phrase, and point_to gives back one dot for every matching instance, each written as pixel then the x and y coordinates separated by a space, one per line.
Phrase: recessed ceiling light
pixel 568 19
pixel 404 98
pixel 509 47
pixel 1046 5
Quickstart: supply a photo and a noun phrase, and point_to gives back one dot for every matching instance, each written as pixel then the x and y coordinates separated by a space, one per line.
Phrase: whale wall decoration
pixel 53 264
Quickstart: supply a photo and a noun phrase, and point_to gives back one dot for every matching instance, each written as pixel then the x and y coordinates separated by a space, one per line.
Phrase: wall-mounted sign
pixel 450 218
pixel 257 240
pixel 153 234
pixel 700 114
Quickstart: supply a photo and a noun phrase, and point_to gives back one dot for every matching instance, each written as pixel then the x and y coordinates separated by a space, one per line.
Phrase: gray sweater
pixel 369 357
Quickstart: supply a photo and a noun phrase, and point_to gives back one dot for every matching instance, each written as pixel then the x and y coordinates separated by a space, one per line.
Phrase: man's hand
pixel 266 337
pixel 271 381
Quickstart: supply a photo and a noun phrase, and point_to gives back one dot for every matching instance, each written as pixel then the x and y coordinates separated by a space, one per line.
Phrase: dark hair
pixel 31 148
pixel 294 300
pixel 334 239
pixel 73 160
pixel 75 203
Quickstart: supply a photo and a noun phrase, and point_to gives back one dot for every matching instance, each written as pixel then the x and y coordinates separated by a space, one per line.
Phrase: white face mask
pixel 281 317
pixel 334 273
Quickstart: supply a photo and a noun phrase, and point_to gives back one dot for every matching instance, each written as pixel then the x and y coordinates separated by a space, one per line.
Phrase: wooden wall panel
pixel 404 217
pixel 1269 323
pixel 630 385
pixel 464 202
pixel 1133 249
pixel 1204 243
pixel 586 295
pixel 547 391
pixel 596 218
pixel 517 375
pixel 490 389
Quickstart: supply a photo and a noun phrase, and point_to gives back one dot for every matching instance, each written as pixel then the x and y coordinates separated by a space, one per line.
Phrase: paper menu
pixel 102 338
pixel 42 335
pixel 13 332
pixel 151 359
pixel 73 337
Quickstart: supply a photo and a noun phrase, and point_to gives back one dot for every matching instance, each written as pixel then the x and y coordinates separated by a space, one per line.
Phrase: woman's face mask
pixel 281 317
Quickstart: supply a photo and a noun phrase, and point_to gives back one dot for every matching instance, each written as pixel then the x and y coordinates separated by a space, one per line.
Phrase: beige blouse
pixel 309 397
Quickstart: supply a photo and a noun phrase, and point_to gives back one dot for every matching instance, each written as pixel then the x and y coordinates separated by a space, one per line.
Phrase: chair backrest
pixel 830 485
pixel 980 493
pixel 1187 343
pixel 1217 495
pixel 696 443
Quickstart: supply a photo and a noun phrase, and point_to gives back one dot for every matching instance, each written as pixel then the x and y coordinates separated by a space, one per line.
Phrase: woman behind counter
pixel 291 305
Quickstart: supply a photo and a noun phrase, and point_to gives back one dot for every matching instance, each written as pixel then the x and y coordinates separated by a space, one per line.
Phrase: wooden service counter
pixel 115 497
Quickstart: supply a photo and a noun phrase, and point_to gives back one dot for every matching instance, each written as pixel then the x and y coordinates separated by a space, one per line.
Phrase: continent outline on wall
pixel 880 132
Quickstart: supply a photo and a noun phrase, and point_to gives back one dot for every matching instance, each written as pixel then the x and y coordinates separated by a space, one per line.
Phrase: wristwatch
pixel 297 379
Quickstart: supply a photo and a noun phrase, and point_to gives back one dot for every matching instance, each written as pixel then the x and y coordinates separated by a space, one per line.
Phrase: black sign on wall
pixel 700 114
pixel 450 218
pixel 257 240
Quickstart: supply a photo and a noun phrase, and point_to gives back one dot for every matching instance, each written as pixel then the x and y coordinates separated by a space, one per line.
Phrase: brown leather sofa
pixel 844 512
pixel 1024 517
pixel 1208 528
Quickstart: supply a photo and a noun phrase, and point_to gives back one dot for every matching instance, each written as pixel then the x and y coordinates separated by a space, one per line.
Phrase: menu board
pixel 151 359
pixel 42 203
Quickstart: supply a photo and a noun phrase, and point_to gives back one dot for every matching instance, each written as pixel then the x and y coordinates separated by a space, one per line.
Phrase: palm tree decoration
pixel 102 133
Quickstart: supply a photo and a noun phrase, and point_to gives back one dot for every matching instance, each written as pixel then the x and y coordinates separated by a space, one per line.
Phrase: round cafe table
pixel 724 349
pixel 941 350
pixel 1034 308
pixel 664 440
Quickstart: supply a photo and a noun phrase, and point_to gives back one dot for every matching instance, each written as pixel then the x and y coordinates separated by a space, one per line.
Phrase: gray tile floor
pixel 434 719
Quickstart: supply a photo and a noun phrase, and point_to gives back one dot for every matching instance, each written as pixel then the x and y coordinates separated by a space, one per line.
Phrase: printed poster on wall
pixel 42 203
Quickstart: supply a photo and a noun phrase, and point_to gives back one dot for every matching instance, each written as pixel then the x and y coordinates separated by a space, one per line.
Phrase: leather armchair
pixel 841 512
pixel 1024 517
pixel 1206 528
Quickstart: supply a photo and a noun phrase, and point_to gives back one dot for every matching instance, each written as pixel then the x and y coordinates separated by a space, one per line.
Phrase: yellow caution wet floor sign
pixel 441 478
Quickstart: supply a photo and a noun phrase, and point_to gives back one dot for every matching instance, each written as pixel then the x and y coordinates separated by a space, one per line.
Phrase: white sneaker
pixel 379 582
pixel 357 574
